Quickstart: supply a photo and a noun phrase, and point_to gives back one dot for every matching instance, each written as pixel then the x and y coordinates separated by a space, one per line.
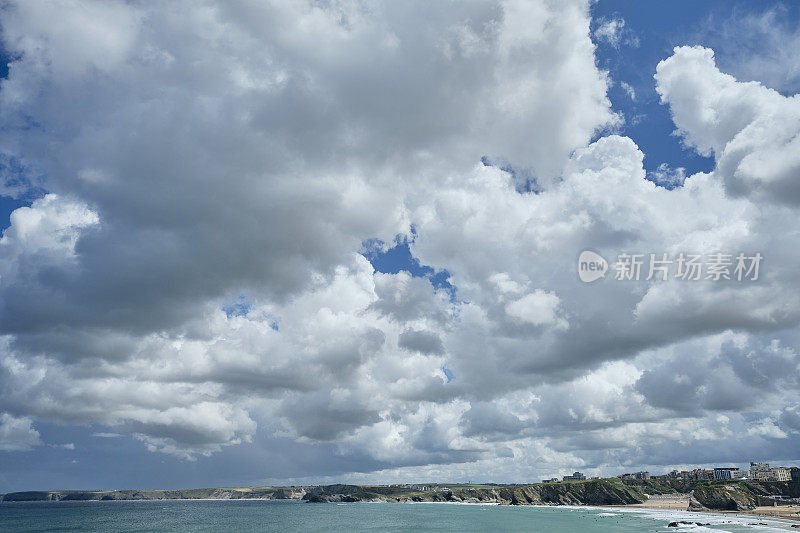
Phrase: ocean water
pixel 284 516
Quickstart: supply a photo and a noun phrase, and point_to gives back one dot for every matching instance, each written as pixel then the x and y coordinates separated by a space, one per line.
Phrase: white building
pixel 759 471
pixel 762 472
pixel 780 474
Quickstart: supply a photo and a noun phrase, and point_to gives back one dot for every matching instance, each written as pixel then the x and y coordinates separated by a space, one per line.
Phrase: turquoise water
pixel 160 516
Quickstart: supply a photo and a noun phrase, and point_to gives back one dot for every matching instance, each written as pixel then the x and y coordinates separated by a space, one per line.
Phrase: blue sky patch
pixel 239 307
pixel 448 374
pixel 391 260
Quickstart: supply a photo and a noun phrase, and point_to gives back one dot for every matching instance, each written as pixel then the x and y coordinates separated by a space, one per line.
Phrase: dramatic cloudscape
pixel 296 242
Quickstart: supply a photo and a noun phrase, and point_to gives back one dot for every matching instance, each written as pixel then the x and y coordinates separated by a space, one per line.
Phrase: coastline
pixel 681 502
pixel 656 511
pixel 682 513
pixel 715 517
pixel 743 500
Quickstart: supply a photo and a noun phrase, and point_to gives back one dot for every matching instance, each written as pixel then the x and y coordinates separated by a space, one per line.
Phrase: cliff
pixel 272 493
pixel 742 495
pixel 598 492
pixel 705 495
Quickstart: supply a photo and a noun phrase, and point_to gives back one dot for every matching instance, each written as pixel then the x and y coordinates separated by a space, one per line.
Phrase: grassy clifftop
pixel 722 495
pixel 597 492
pixel 731 495
pixel 187 494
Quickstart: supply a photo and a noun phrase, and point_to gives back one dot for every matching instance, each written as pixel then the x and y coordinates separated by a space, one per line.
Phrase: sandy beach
pixel 781 511
pixel 680 502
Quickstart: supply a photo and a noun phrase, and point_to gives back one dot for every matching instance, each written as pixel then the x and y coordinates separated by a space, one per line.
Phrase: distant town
pixel 757 472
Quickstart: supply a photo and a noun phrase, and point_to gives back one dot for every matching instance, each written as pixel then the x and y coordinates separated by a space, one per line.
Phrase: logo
pixel 717 266
pixel 591 266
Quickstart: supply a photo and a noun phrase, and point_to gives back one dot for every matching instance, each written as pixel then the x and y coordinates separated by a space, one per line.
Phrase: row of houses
pixel 704 474
pixel 757 472
pixel 763 472
pixel 635 475
pixel 423 488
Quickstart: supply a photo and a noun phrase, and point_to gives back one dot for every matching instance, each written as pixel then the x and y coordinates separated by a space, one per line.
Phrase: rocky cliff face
pixel 599 492
pixel 723 497
pixel 741 495
pixel 784 489
pixel 730 496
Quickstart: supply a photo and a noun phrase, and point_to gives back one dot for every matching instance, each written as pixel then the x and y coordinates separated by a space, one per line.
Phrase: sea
pixel 285 516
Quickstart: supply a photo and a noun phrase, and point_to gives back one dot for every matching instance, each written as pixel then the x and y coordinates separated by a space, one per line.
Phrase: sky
pixel 297 243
